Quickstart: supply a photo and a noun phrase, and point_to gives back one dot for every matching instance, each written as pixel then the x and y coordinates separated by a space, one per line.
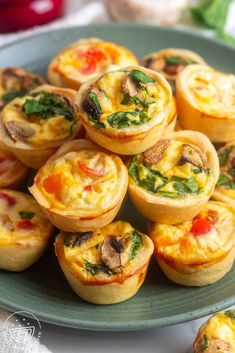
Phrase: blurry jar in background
pixel 17 15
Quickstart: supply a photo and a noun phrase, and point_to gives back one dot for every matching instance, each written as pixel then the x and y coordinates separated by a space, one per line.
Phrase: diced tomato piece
pixel 89 68
pixel 88 188
pixel 11 200
pixel 200 226
pixel 53 184
pixel 26 224
pixel 91 171
pixel 91 57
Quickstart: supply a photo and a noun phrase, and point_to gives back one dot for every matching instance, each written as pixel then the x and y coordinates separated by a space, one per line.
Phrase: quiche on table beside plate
pixel 25 230
pixel 86 59
pixel 205 101
pixel 172 181
pixel 126 110
pixel 34 126
pixel 106 266
pixel 81 187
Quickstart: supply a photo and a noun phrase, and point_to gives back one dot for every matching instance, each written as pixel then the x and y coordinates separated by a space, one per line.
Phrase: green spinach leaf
pixel 230 313
pixel 224 156
pixel 140 77
pixel 136 243
pixel 26 214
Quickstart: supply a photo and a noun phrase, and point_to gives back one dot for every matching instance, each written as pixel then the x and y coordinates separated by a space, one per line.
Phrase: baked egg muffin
pixel 125 110
pixel 81 187
pixel 171 182
pixel 199 251
pixel 25 230
pixel 86 59
pixel 105 266
pixel 34 126
pixel 12 171
pixel 206 103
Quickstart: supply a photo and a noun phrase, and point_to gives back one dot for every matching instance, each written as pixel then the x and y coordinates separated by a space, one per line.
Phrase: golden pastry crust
pixel 86 59
pixel 225 187
pixel 12 171
pixel 25 231
pixel 200 251
pixel 164 201
pixel 205 102
pixel 217 334
pixel 106 266
pixel 34 137
pixel 172 120
pixel 125 111
pixel 81 187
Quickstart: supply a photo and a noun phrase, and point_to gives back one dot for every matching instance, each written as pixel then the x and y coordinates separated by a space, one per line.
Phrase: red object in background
pixel 16 15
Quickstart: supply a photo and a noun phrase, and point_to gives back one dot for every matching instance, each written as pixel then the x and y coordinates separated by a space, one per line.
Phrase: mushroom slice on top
pixel 18 130
pixel 193 155
pixel 154 154
pixel 128 86
pixel 111 250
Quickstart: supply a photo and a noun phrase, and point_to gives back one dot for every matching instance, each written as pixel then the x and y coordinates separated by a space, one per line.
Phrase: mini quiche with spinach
pixel 217 334
pixel 169 62
pixel 171 181
pixel 225 187
pixel 17 82
pixel 125 110
pixel 199 251
pixel 106 266
pixel 35 125
pixel 24 230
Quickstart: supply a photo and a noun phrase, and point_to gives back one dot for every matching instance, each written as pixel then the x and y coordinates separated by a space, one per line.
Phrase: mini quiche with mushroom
pixel 86 59
pixel 106 266
pixel 81 187
pixel 217 335
pixel 169 62
pixel 25 230
pixel 125 110
pixel 171 182
pixel 206 102
pixel 225 187
pixel 35 125
pixel 199 251
pixel 16 82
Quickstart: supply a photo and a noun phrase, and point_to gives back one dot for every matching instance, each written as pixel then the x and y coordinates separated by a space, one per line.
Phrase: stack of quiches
pixel 106 124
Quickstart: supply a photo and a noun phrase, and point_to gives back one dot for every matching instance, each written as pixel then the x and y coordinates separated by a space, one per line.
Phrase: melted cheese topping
pixel 221 326
pixel 47 131
pixel 90 58
pixel 89 180
pixel 212 91
pixel 89 252
pixel 177 244
pixel 22 221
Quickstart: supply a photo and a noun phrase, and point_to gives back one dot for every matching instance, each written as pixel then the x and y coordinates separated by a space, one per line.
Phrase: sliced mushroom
pixel 11 78
pixel 194 155
pixel 111 250
pixel 154 154
pixel 155 64
pixel 77 239
pixel 173 69
pixel 215 345
pixel 18 130
pixel 128 86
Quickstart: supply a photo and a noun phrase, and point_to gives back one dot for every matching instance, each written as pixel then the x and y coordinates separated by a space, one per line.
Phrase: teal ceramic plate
pixel 43 290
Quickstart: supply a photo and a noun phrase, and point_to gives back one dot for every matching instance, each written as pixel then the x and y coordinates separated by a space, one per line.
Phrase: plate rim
pixel 55 319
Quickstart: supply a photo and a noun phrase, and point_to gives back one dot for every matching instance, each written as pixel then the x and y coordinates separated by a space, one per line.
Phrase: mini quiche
pixel 25 231
pixel 12 171
pixel 172 118
pixel 81 187
pixel 106 266
pixel 171 182
pixel 199 251
pixel 125 110
pixel 206 102
pixel 86 59
pixel 217 335
pixel 16 82
pixel 35 125
pixel 225 187
pixel 169 62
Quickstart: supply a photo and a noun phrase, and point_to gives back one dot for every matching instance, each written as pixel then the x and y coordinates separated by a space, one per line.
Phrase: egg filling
pixel 40 118
pixel 22 221
pixel 81 181
pixel 125 99
pixel 206 238
pixel 226 182
pixel 172 169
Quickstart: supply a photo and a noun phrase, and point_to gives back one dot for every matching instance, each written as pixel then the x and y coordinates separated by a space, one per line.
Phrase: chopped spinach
pixel 199 170
pixel 185 186
pixel 134 100
pixel 230 313
pixel 120 120
pixel 94 269
pixel 224 155
pixel 48 105
pixel 10 95
pixel 140 77
pixel 26 214
pixel 170 194
pixel 97 124
pixel 176 60
pixel 133 170
pixel 205 343
pixel 77 239
pixel 136 243
pixel 92 105
pixel 224 180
